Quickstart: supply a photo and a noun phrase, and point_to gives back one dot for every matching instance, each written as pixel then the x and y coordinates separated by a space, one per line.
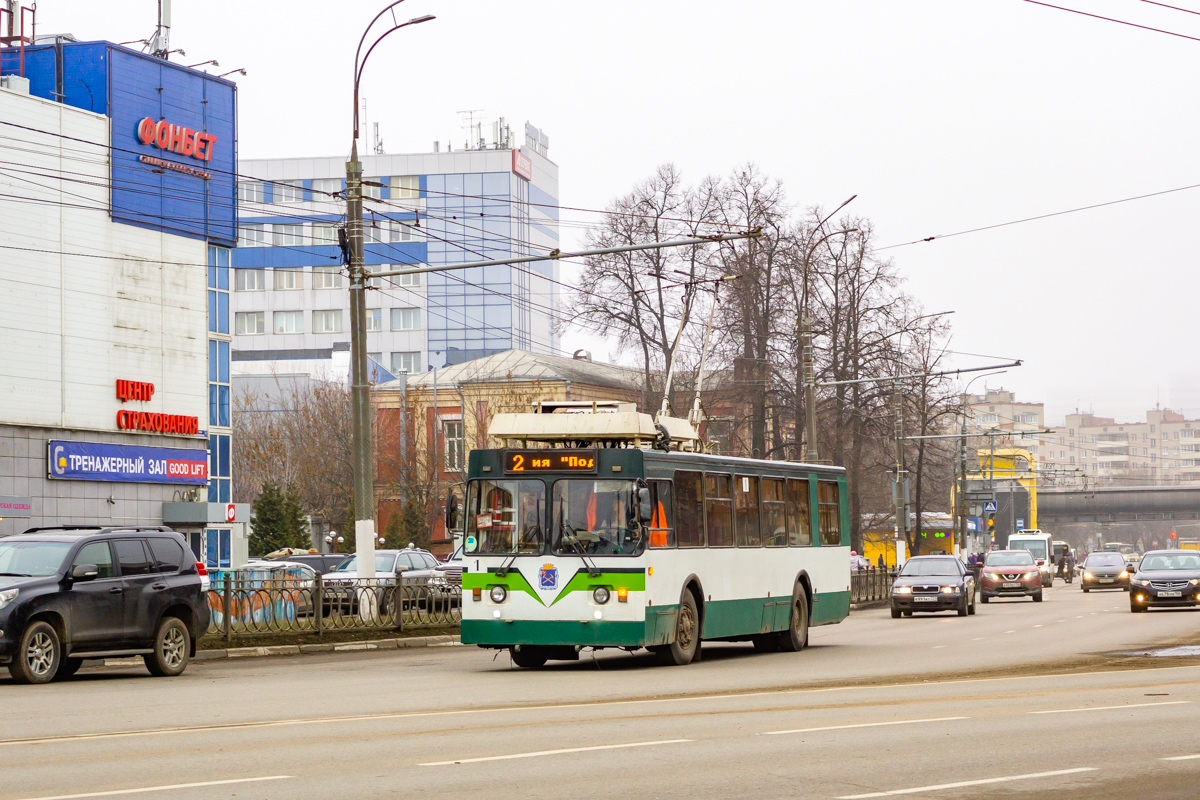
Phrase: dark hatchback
pixel 1166 578
pixel 68 594
pixel 933 583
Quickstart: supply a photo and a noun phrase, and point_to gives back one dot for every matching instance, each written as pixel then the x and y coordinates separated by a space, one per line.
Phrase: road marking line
pixel 1180 758
pixel 1111 708
pixel 1037 626
pixel 938 646
pixel 862 725
pixel 1010 631
pixel 687 698
pixel 960 784
pixel 552 752
pixel 115 792
pixel 977 639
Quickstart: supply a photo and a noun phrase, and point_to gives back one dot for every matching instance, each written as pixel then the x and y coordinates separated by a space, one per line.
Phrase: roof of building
pixel 518 365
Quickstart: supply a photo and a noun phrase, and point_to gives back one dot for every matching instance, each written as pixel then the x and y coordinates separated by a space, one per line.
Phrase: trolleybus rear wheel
pixel 794 639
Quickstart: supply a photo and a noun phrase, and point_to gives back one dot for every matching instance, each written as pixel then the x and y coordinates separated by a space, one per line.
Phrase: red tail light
pixel 200 568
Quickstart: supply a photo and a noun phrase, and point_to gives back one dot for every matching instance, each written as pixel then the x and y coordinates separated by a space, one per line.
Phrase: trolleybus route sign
pixel 516 461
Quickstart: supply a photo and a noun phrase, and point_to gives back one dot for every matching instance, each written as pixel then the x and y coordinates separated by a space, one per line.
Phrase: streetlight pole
pixel 804 338
pixel 360 397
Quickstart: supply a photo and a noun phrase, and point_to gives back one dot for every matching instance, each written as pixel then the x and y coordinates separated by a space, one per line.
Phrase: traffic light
pixel 1173 537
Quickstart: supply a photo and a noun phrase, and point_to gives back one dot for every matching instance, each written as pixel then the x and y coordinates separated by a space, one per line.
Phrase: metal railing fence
pixel 870 585
pixel 253 605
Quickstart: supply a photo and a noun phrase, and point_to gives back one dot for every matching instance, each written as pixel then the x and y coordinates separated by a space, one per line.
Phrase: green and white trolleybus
pixel 600 529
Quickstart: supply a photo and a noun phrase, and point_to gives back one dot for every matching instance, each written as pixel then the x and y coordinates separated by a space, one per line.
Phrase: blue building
pixel 291 304
pixel 119 215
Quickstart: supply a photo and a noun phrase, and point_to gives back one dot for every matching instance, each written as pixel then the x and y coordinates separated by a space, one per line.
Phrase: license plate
pixel 1107 580
pixel 1170 594
pixel 925 599
pixel 1012 586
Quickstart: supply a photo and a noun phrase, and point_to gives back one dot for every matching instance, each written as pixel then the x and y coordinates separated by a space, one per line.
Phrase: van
pixel 1041 547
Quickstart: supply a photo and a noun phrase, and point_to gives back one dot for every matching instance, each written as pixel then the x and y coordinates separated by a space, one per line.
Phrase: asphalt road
pixel 853 716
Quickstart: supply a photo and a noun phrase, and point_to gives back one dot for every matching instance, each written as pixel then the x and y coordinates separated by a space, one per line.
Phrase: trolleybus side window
pixel 774 513
pixel 689 509
pixel 505 517
pixel 718 510
pixel 662 531
pixel 595 517
pixel 799 518
pixel 829 513
pixel 745 494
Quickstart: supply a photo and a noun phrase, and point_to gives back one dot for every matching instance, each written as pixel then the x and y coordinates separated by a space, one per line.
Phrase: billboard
pixel 94 461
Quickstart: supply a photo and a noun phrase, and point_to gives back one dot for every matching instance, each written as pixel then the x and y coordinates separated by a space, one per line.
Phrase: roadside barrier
pixel 871 585
pixel 249 604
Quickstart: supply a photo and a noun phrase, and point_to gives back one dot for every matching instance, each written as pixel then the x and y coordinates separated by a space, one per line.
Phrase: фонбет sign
pixel 92 461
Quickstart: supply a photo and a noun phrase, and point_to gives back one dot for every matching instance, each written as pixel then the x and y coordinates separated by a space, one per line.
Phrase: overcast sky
pixel 942 115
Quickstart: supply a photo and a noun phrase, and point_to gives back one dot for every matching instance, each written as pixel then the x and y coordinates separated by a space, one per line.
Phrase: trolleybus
pixel 610 535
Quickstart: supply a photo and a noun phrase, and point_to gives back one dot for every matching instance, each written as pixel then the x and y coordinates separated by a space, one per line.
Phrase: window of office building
pixel 324 188
pixel 288 279
pixel 400 231
pixel 374 319
pixel 405 186
pixel 372 187
pixel 249 280
pixel 327 277
pixel 406 319
pixel 409 363
pixel 287 322
pixel 324 233
pixel 287 235
pixel 327 321
pixel 408 280
pixel 252 234
pixel 249 323
pixel 286 193
pixel 251 192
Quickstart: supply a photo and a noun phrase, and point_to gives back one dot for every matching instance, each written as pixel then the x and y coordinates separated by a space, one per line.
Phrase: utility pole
pixel 898 487
pixel 360 398
pixel 962 488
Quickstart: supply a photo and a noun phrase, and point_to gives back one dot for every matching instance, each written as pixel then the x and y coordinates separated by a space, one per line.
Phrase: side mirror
pixel 645 508
pixel 453 505
pixel 85 572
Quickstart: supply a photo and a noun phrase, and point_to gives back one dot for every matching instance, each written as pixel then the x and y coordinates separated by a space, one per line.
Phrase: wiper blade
pixel 16 574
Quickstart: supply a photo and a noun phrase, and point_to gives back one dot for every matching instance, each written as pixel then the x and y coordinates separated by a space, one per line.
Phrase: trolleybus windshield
pixel 595 517
pixel 505 517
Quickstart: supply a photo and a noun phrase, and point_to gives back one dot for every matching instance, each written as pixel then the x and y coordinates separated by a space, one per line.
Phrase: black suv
pixel 77 592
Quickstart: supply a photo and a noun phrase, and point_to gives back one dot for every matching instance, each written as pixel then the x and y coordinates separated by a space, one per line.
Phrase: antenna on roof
pixel 160 42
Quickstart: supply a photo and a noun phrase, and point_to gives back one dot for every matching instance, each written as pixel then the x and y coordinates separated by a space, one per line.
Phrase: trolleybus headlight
pixel 600 595
pixel 498 594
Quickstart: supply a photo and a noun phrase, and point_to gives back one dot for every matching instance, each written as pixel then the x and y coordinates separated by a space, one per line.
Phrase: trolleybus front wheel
pixel 687 635
pixel 529 657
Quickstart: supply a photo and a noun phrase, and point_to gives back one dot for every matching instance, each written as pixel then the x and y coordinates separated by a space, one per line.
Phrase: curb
pixel 402 643
pixel 869 605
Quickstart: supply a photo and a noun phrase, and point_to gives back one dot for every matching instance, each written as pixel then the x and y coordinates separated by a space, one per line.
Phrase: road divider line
pixel 961 784
pixel 563 751
pixel 1111 708
pixel 862 725
pixel 172 787
pixel 1181 758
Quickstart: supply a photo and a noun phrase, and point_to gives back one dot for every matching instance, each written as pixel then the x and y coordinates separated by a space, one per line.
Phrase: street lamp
pixel 360 401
